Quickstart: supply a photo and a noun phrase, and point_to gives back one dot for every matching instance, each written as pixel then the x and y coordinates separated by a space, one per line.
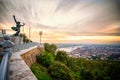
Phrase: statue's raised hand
pixel 13 15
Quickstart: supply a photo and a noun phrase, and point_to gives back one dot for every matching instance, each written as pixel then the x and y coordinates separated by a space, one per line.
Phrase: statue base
pixel 17 40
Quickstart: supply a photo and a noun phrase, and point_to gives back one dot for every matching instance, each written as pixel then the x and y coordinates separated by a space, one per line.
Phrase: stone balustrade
pixel 20 63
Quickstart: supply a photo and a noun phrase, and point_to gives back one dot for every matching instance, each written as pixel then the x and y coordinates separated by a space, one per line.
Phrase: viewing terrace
pixel 23 56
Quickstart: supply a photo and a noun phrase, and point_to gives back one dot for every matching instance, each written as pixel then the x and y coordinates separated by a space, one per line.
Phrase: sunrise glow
pixel 64 21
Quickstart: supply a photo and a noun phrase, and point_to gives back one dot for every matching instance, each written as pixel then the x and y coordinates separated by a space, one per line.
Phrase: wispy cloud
pixel 70 17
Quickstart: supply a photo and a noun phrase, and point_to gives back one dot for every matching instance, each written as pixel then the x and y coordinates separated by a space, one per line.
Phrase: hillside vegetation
pixel 57 65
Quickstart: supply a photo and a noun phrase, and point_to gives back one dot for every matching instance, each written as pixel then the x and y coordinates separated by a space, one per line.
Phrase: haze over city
pixel 64 21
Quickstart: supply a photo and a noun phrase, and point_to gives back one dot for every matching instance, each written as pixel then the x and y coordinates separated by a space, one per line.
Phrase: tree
pixel 59 71
pixel 45 59
pixel 50 48
pixel 62 56
pixel 53 48
pixel 25 39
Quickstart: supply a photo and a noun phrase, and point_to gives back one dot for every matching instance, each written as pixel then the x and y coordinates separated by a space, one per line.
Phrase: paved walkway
pixel 18 68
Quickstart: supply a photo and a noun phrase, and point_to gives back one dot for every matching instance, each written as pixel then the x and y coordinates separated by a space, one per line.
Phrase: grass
pixel 40 72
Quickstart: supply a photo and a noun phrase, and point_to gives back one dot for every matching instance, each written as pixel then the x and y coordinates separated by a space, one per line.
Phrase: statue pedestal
pixel 17 40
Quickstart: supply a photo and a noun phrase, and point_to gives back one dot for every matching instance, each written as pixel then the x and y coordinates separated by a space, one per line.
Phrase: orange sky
pixel 64 21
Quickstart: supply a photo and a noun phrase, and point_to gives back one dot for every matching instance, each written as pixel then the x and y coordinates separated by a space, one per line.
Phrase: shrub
pixel 59 71
pixel 47 47
pixel 45 59
pixel 51 48
pixel 25 39
pixel 62 56
pixel 40 72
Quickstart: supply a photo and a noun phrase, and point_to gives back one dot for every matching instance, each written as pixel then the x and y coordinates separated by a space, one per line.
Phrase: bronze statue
pixel 17 28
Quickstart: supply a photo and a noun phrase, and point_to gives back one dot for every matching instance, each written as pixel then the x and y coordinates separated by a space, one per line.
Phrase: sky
pixel 64 21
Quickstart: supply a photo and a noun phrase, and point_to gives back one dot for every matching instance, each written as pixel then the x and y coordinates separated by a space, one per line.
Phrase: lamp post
pixel 29 31
pixel 40 33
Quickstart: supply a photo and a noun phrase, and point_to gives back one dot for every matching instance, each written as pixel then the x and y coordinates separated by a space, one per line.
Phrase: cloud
pixel 70 17
pixel 117 3
pixel 93 34
pixel 66 5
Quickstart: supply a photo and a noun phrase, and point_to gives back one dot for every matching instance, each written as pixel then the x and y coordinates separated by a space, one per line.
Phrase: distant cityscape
pixel 93 52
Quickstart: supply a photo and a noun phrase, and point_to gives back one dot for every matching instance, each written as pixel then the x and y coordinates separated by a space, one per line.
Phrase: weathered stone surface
pixel 19 70
pixel 30 56
pixel 17 39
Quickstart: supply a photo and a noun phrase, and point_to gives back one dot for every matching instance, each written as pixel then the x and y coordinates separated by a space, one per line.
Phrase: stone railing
pixel 19 47
pixel 21 61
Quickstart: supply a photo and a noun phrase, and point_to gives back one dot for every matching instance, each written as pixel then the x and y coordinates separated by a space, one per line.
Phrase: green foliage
pixel 59 71
pixel 93 74
pixel 51 48
pixel 63 67
pixel 75 65
pixel 40 72
pixel 114 70
pixel 88 70
pixel 25 39
pixel 47 47
pixel 62 56
pixel 45 59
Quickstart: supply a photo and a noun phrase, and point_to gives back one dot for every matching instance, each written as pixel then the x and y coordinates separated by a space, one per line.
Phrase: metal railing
pixel 5 62
pixel 4 68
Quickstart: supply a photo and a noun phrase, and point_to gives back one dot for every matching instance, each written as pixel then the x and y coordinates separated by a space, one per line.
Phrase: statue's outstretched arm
pixel 14 18
pixel 23 24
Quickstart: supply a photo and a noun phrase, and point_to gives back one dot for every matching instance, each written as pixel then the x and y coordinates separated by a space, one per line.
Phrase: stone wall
pixel 21 61
pixel 30 56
